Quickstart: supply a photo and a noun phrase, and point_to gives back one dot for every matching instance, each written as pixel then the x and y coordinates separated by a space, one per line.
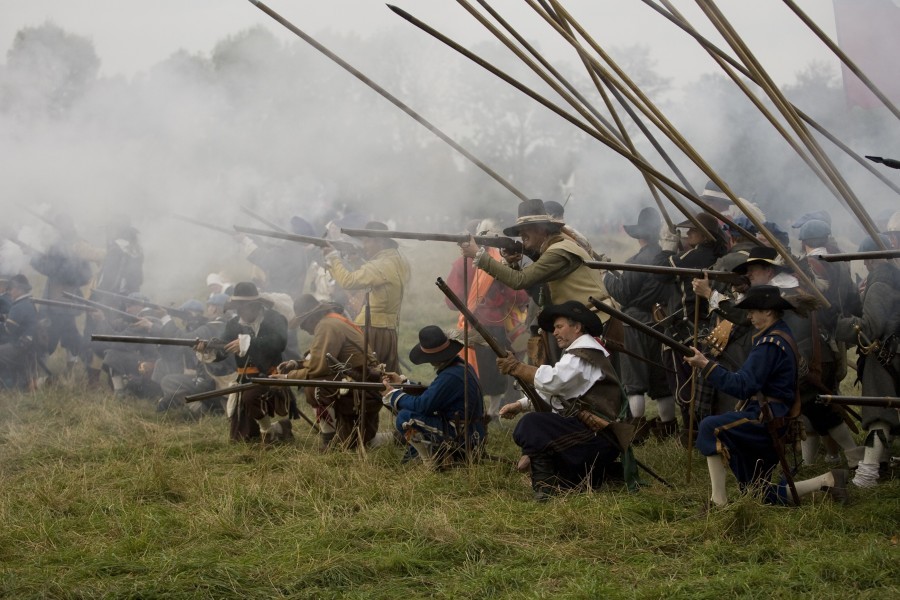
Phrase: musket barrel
pixel 331 384
pixel 127 316
pixel 726 276
pixel 139 339
pixel 845 256
pixel 661 337
pixel 494 241
pixel 217 393
pixel 61 304
pixel 877 401
pixel 291 237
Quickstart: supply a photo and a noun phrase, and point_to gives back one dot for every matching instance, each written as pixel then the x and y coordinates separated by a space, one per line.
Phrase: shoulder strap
pixel 789 339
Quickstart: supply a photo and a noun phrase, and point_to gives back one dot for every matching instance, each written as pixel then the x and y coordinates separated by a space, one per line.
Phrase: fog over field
pixel 201 108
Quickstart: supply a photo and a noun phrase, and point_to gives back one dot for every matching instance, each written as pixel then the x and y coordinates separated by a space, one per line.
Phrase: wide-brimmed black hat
pixel 532 212
pixel 572 310
pixel 245 292
pixel 764 297
pixel 434 346
pixel 308 307
pixel 760 255
pixel 647 226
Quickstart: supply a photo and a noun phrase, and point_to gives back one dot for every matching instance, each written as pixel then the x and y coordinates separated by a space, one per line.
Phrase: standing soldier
pixel 637 293
pixel 876 335
pixel 384 275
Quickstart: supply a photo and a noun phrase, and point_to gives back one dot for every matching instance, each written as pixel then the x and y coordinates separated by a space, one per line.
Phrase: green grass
pixel 100 498
pixel 104 499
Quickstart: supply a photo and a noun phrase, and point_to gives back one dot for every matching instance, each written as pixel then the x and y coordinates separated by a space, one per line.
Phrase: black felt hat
pixel 532 212
pixel 307 307
pixel 572 310
pixel 434 346
pixel 764 297
pixel 647 226
pixel 246 291
pixel 378 225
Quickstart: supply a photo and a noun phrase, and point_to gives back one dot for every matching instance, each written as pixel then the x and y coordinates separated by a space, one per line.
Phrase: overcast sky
pixel 132 35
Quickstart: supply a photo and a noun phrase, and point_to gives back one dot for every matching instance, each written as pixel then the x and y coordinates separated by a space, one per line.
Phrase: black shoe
pixel 838 491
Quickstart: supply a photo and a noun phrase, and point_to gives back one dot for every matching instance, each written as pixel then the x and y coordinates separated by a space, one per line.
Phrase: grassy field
pixel 103 498
pixel 100 498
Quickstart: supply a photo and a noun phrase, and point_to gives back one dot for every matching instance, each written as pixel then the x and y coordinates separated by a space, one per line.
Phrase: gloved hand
pixel 668 240
pixel 508 363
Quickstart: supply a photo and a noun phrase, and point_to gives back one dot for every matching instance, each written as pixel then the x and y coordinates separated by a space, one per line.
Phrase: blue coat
pixel 442 404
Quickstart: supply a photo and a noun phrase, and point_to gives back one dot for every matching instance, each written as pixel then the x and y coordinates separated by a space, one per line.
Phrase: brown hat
pixel 245 292
pixel 378 225
pixel 434 346
pixel 532 212
pixel 760 255
pixel 308 307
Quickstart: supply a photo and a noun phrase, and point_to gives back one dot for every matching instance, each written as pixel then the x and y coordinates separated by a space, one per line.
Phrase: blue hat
pixel 194 306
pixel 868 244
pixel 819 215
pixel 742 221
pixel 713 193
pixel 301 226
pixel 218 299
pixel 814 228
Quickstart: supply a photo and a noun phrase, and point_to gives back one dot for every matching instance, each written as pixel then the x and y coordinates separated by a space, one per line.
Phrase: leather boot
pixel 665 429
pixel 543 477
pixel 642 428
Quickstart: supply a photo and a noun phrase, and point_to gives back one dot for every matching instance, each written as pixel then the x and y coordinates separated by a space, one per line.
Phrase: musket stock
pixel 493 241
pixel 660 337
pixel 726 276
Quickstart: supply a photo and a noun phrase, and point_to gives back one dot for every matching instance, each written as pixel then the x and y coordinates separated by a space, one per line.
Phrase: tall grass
pixel 103 498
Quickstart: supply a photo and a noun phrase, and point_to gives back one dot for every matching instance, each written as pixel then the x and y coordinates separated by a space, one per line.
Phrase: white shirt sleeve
pixel 569 378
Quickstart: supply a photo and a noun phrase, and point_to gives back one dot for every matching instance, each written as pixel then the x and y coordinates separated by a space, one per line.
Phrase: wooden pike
pixel 844 58
pixel 390 98
pixel 740 47
pixel 675 17
pixel 649 108
pixel 591 131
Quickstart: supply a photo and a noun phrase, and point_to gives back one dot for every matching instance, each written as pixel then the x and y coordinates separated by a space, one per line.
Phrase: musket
pixel 660 337
pixel 845 256
pixel 539 404
pixel 877 401
pixel 125 315
pixel 494 241
pixel 200 223
pixel 338 245
pixel 330 384
pixel 726 276
pixel 159 341
pixel 262 220
pixel 61 304
pixel 175 312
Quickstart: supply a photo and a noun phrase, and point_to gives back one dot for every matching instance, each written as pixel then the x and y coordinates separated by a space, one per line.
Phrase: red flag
pixel 868 32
